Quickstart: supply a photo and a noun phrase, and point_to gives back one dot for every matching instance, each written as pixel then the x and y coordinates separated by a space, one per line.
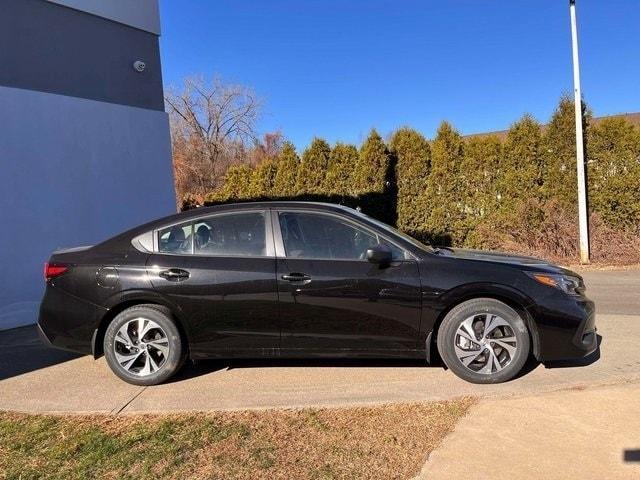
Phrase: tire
pixel 149 360
pixel 476 355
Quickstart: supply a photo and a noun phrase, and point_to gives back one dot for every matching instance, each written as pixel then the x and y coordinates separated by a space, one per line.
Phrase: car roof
pixel 203 211
pixel 199 211
pixel 123 240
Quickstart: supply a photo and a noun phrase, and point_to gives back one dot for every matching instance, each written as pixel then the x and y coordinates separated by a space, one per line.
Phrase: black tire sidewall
pixel 174 359
pixel 449 327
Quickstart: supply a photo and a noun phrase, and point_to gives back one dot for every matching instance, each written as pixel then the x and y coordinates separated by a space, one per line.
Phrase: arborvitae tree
pixel 559 152
pixel 288 161
pixel 614 173
pixel 370 174
pixel 479 170
pixel 313 168
pixel 342 162
pixel 442 197
pixel 413 161
pixel 521 164
pixel 263 179
pixel 236 183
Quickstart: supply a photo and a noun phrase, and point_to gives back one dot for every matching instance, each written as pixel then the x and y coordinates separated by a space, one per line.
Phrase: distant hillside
pixel 633 118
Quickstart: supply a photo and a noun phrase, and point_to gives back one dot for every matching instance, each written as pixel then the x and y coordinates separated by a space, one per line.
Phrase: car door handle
pixel 174 274
pixel 296 277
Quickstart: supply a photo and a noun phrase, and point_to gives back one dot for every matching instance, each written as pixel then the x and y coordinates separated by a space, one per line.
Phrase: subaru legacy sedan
pixel 298 280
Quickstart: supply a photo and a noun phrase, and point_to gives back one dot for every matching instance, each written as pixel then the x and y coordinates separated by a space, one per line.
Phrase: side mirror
pixel 380 254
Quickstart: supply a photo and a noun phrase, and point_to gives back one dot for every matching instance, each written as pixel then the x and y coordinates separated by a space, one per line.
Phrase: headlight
pixel 567 283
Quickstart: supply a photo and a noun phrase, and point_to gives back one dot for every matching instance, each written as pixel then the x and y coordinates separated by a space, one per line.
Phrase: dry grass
pixel 550 230
pixel 390 441
pixel 592 267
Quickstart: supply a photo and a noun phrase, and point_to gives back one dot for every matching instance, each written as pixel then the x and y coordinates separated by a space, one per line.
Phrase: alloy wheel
pixel 141 347
pixel 485 343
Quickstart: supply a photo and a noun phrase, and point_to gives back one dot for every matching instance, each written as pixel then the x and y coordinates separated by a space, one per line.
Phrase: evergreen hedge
pixel 455 190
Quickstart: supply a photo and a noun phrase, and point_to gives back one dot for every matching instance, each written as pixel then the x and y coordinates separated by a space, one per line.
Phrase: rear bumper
pixel 43 336
pixel 68 322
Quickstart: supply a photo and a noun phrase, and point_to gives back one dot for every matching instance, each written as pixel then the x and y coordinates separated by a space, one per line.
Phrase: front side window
pixel 241 234
pixel 309 235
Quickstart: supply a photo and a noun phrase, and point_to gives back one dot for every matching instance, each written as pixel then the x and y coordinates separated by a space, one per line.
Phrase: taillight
pixel 52 270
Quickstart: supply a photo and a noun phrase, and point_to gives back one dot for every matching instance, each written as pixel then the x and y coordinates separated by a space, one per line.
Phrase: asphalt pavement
pixel 34 378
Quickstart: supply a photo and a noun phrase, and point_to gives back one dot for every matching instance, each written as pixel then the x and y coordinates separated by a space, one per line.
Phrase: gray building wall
pixel 141 14
pixel 84 141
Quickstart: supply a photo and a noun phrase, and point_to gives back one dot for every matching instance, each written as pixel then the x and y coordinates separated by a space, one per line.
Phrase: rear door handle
pixel 296 277
pixel 174 274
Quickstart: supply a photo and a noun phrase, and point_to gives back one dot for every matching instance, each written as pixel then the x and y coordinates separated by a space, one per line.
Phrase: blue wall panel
pixel 72 172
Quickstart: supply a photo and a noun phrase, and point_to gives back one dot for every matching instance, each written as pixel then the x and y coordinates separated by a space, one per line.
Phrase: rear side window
pixel 241 234
pixel 176 239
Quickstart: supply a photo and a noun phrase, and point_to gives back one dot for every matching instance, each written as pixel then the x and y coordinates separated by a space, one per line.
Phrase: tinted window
pixel 234 234
pixel 395 231
pixel 308 235
pixel 176 239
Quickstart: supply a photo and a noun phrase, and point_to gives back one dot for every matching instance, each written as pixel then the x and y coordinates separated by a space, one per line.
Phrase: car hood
pixel 528 263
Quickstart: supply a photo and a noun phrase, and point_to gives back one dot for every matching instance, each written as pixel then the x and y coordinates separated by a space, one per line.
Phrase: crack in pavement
pixel 116 411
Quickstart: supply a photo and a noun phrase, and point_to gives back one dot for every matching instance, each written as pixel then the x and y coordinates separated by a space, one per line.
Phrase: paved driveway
pixel 36 379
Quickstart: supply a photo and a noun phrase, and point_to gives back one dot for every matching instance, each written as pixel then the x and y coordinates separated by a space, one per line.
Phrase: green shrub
pixel 371 170
pixel 479 173
pixel 413 162
pixel 444 214
pixel 313 168
pixel 559 152
pixel 521 166
pixel 237 183
pixel 263 179
pixel 482 192
pixel 614 173
pixel 284 184
pixel 342 163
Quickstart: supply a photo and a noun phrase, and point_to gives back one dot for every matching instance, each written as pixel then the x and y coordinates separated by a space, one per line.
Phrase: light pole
pixel 582 188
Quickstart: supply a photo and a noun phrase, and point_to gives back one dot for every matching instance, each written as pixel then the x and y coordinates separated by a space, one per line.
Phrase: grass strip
pixel 378 442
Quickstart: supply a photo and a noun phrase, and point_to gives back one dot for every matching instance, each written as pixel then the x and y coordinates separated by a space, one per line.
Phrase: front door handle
pixel 296 277
pixel 174 274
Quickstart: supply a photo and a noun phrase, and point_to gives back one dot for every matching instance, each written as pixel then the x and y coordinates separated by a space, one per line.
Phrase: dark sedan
pixel 295 279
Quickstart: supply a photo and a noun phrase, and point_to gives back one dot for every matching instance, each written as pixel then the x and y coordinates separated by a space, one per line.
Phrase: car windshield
pixel 395 231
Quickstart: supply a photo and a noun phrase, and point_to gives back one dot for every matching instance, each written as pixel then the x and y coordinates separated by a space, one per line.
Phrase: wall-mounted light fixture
pixel 139 66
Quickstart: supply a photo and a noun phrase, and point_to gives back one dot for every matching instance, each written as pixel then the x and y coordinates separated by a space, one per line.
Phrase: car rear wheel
pixel 142 345
pixel 484 341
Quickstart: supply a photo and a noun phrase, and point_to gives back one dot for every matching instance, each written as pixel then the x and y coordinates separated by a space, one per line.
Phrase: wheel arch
pixel 125 300
pixel 505 294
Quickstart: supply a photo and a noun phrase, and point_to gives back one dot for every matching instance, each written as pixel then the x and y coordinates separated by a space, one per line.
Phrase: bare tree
pixel 267 148
pixel 212 127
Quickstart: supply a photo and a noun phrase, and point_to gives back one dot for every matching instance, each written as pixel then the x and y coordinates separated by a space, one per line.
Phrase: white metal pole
pixel 582 188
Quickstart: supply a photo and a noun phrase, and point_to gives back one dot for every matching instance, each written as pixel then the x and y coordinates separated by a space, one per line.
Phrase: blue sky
pixel 337 68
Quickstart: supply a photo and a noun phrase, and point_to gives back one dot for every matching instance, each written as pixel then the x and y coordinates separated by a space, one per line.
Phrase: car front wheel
pixel 484 341
pixel 142 345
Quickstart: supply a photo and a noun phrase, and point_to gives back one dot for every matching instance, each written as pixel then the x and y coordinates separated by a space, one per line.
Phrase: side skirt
pixel 306 353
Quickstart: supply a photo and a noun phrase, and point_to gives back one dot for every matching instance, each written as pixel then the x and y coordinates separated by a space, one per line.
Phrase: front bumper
pixel 566 328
